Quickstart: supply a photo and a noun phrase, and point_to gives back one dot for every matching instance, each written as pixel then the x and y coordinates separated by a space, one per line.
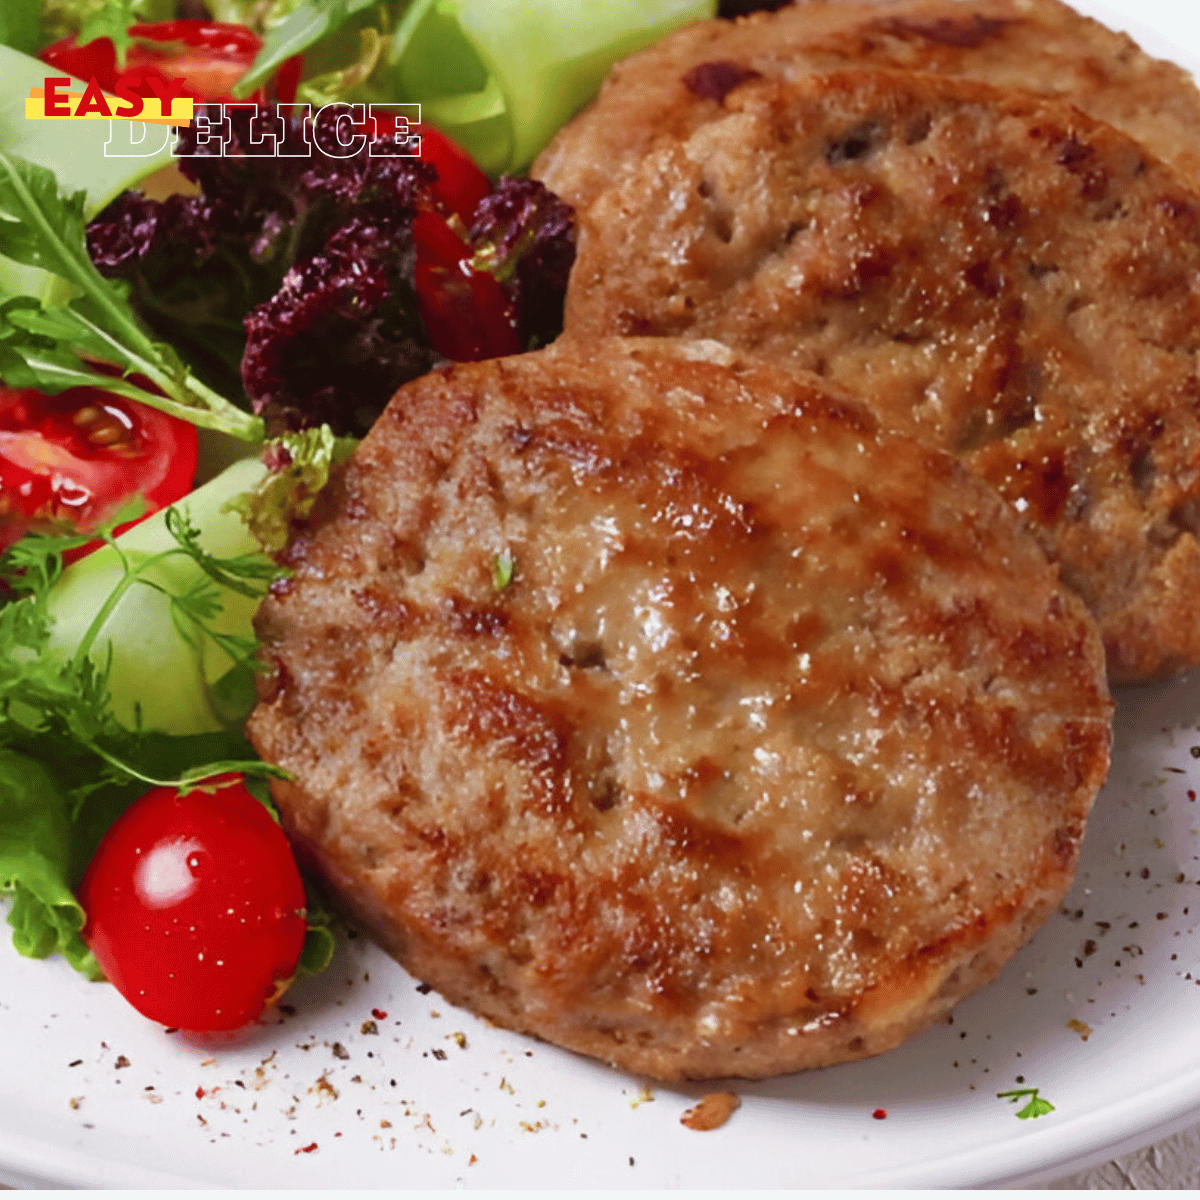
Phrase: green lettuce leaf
pixel 34 863
pixel 21 25
pixel 310 22
pixel 500 77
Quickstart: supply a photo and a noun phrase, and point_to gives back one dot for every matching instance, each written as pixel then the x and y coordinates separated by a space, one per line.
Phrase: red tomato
pixel 73 459
pixel 467 314
pixel 195 908
pixel 460 183
pixel 210 56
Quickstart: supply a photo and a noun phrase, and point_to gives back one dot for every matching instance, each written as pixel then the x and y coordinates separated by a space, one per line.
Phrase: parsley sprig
pixel 42 696
pixel 1036 1107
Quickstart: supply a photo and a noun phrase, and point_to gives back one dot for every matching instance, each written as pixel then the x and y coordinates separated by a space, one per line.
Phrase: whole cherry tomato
pixel 73 459
pixel 195 908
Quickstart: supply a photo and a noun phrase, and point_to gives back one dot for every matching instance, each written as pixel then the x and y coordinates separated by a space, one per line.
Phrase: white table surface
pixel 1173 1163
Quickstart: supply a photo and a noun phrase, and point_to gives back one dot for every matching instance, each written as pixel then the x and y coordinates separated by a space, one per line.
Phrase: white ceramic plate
pixel 336 1094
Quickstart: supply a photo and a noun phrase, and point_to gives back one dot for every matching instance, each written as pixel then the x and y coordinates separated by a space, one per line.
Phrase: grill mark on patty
pixel 967 34
pixel 715 80
pixel 495 719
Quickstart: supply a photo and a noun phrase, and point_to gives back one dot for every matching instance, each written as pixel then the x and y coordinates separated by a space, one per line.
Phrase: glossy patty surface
pixel 993 272
pixel 649 700
pixel 1036 45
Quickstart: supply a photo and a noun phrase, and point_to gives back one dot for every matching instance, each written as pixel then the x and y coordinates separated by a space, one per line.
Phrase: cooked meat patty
pixel 994 272
pixel 651 701
pixel 1038 45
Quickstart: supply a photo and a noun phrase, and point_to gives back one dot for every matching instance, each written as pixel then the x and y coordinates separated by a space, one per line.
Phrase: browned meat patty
pixel 650 701
pixel 1038 45
pixel 994 272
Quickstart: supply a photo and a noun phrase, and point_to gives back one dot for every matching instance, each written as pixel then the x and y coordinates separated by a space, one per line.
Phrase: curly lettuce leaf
pixel 299 468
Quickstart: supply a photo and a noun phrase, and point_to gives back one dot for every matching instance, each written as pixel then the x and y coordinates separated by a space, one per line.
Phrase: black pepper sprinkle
pixel 424 988
pixel 1089 948
pixel 76 1063
pixel 1145 872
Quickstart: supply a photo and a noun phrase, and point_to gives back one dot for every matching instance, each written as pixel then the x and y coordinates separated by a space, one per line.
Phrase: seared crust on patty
pixel 1037 45
pixel 648 699
pixel 993 272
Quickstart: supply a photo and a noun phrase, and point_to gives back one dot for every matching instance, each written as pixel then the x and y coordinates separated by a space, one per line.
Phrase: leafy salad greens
pixel 70 763
pixel 498 76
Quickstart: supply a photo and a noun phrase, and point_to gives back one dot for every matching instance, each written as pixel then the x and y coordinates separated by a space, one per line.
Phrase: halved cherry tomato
pixel 467 314
pixel 195 908
pixel 70 461
pixel 210 56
